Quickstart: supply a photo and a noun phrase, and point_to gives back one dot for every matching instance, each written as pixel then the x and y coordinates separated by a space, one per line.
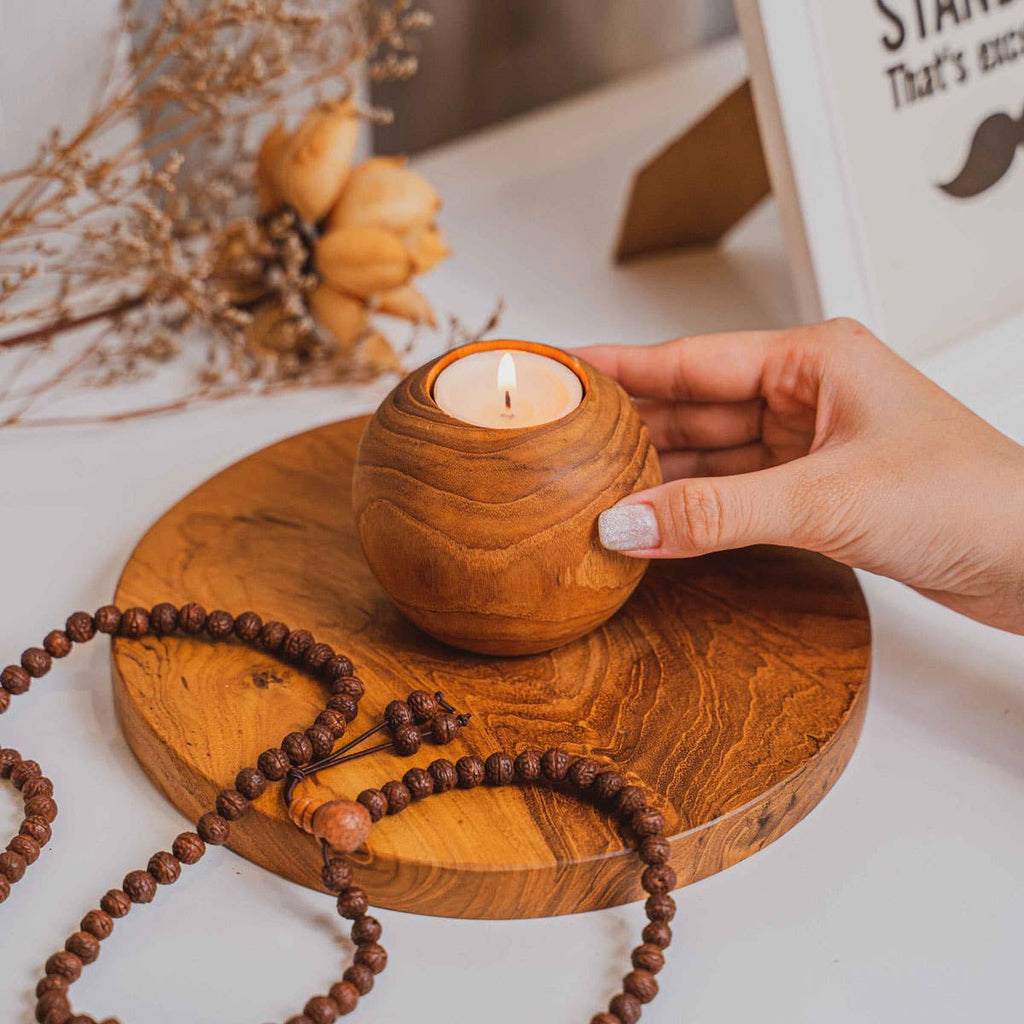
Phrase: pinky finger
pixel 747 458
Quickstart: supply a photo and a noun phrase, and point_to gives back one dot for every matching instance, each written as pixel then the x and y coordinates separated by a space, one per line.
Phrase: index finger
pixel 703 368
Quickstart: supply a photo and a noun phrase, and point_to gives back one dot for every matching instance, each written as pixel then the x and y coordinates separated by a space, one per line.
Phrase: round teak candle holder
pixel 487 538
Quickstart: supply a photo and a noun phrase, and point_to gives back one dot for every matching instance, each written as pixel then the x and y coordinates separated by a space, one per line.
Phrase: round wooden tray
pixel 732 686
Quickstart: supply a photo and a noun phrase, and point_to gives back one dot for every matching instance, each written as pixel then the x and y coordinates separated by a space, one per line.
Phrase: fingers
pixel 747 458
pixel 696 516
pixel 675 425
pixel 707 368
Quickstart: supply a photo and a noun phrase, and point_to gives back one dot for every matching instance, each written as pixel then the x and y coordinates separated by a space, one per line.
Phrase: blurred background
pixel 489 60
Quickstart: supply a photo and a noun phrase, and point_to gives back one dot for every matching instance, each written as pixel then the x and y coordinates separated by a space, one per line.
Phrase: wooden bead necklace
pixel 341 826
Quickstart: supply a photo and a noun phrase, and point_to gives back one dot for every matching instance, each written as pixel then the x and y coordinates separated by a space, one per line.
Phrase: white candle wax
pixel 507 388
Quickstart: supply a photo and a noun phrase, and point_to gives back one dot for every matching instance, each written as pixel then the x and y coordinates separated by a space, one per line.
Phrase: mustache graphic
pixel 990 156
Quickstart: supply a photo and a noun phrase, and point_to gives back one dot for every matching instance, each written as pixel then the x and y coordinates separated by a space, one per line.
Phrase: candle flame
pixel 507 373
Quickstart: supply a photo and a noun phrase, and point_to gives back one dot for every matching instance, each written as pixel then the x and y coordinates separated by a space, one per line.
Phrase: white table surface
pixel 900 898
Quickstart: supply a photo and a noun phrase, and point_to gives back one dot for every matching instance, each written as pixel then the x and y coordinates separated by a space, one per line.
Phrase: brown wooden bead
pixel 44 807
pixel 423 705
pixel 79 627
pixel 248 626
pixel 37 829
pixel 164 867
pixel 658 878
pixel 343 824
pixel 347 707
pixel 345 996
pixel 444 728
pixel 321 739
pixel 582 773
pixel 648 957
pixel 66 964
pixel 213 829
pixel 27 849
pixel 604 1018
pixel 336 874
pixel 337 668
pixel 419 782
pixel 642 984
pixel 12 866
pixel 407 740
pixel 365 930
pixel 527 766
pixel 163 618
pixel 333 720
pixel 272 636
pixel 192 618
pixel 348 686
pixel 660 907
pixel 443 772
pixel 5 888
pixel 5 700
pixel 630 800
pixel 15 680
pixel 294 648
pixel 321 1010
pixel 298 748
pixel 470 770
pixel 23 771
pixel 360 976
pixel 134 623
pixel 499 769
pixel 84 1018
pixel 606 787
pixel 84 945
pixel 38 785
pixel 274 764
pixel 375 802
pixel 647 822
pixel 231 804
pixel 554 764
pixel 9 760
pixel 316 656
pixel 251 783
pixel 219 624
pixel 352 902
pixel 97 923
pixel 36 662
pixel 654 850
pixel 139 886
pixel 53 1006
pixel 397 714
pixel 189 848
pixel 372 955
pixel 57 644
pixel 626 1007
pixel 51 983
pixel 108 619
pixel 398 797
pixel 116 903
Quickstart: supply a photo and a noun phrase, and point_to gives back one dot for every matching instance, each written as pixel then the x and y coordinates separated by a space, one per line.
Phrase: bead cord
pixel 296 758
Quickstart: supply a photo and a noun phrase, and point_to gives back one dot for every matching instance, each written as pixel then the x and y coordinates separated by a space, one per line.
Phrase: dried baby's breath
pixel 133 236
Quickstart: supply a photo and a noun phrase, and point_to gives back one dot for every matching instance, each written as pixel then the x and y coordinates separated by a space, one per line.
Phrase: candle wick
pixel 508 400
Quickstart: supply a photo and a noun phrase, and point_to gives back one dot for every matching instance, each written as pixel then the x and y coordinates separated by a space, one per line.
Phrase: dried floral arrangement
pixel 147 244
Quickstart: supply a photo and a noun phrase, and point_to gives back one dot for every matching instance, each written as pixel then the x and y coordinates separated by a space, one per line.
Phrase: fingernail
pixel 628 528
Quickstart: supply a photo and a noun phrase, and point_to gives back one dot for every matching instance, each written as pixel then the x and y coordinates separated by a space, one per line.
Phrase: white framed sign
pixel 894 134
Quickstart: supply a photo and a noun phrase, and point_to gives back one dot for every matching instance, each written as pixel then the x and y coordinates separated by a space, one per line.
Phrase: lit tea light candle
pixel 507 390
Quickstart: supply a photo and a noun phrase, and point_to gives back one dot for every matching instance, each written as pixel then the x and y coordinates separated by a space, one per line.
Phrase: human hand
pixel 822 438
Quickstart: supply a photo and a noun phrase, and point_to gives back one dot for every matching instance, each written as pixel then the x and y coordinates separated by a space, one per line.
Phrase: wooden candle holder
pixel 487 539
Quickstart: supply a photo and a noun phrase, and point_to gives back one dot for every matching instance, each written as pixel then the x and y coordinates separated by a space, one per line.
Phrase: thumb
pixel 695 516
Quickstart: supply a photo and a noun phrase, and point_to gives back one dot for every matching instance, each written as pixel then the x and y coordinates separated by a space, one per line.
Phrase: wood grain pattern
pixel 488 539
pixel 733 687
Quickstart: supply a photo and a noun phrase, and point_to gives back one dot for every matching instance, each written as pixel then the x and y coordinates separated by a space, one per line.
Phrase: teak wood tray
pixel 733 687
